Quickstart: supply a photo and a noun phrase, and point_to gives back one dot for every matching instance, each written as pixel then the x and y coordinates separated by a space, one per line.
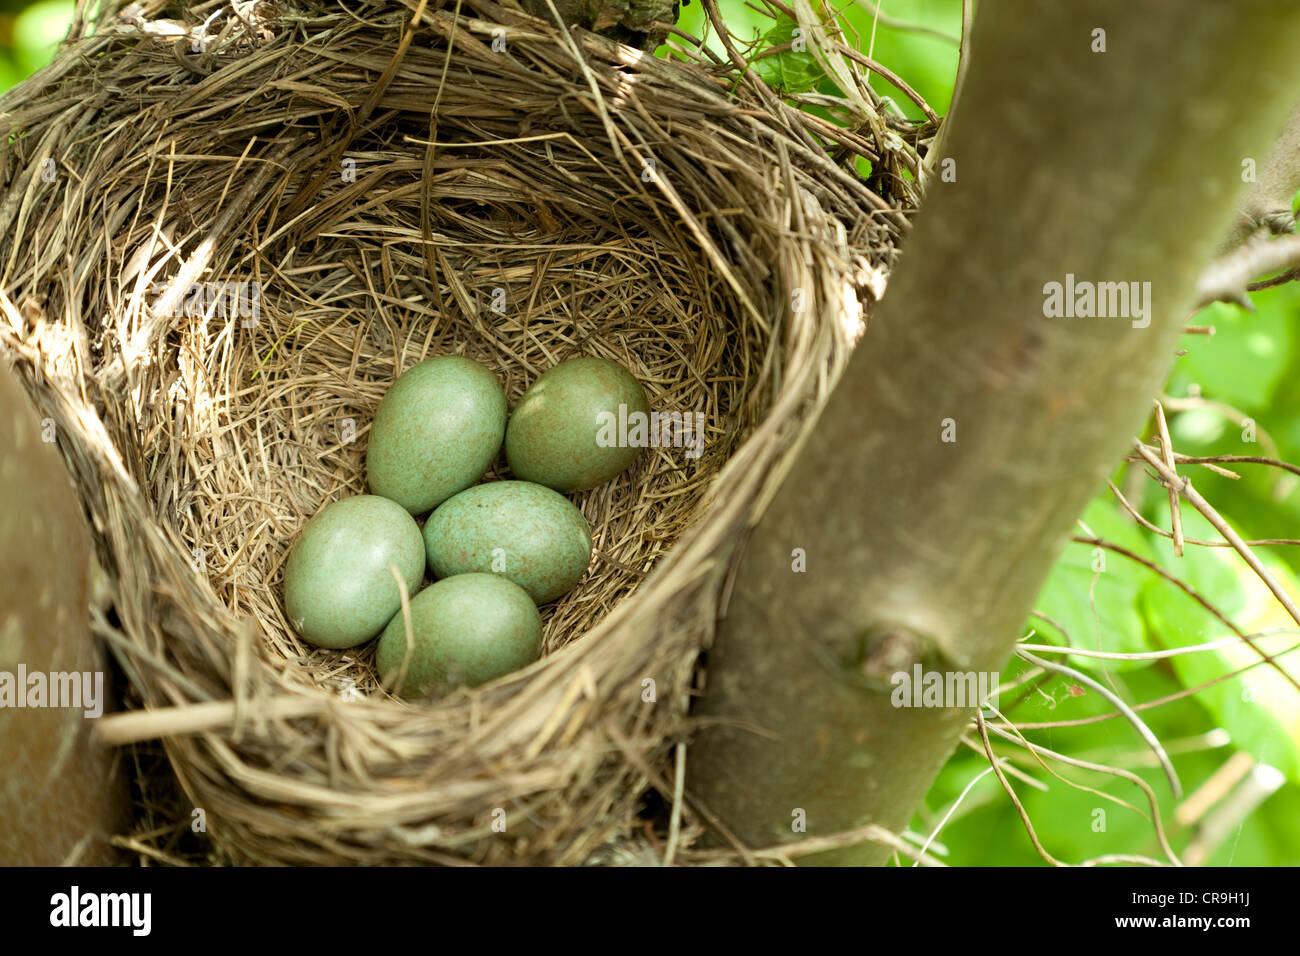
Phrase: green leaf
pixel 792 71
pixel 1092 593
pixel 1244 361
pixel 1260 708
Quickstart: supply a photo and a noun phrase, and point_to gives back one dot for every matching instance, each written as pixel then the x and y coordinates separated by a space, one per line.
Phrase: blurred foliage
pixel 29 34
pixel 1234 393
pixel 917 39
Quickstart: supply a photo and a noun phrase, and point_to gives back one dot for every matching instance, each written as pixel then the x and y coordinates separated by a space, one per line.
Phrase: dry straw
pixel 402 181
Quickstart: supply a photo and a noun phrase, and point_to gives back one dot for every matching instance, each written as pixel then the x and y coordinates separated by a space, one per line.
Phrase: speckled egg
pixel 435 432
pixel 568 431
pixel 528 533
pixel 338 591
pixel 465 630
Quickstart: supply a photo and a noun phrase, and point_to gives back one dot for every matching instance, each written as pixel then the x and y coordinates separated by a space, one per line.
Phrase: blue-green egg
pixel 465 630
pixel 569 430
pixel 436 432
pixel 338 589
pixel 528 533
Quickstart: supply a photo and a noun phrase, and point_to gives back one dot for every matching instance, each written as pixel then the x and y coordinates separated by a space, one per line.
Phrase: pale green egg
pixel 465 630
pixel 436 432
pixel 338 589
pixel 530 534
pixel 570 429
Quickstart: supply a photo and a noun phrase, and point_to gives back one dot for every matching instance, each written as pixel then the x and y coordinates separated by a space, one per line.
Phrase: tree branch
pixel 1267 205
pixel 946 470
pixel 1226 279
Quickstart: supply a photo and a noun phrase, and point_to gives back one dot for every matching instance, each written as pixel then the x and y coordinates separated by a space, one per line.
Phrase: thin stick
pixel 1006 785
pixel 1214 789
pixel 963 58
pixel 1184 487
pixel 410 634
pixel 1234 459
pixel 1036 750
pixel 953 809
pixel 1175 511
pixel 675 818
pixel 114 730
pixel 1150 704
pixel 885 20
pixel 1143 730
pixel 871 833
pixel 1143 656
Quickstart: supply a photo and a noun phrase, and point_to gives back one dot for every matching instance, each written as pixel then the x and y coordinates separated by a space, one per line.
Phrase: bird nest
pixel 223 242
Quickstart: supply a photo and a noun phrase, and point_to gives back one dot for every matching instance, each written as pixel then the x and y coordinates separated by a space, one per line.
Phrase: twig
pixel 1138 724
pixel 1253 542
pixel 870 833
pixel 1127 859
pixel 400 677
pixel 1182 459
pixel 1007 765
pixel 136 846
pixel 1214 789
pixel 1226 278
pixel 114 730
pixel 1169 576
pixel 1260 784
pixel 953 809
pixel 1187 588
pixel 1158 702
pixel 1281 278
pixel 1038 751
pixel 1175 511
pixel 1184 487
pixel 675 817
pixel 1139 656
pixel 995 765
pixel 963 58
pixel 1233 459
pixel 896 24
pixel 963 51
pixel 1235 415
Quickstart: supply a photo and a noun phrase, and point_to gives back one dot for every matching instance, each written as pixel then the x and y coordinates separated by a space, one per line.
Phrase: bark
pixel 1267 204
pixel 1122 166
pixel 61 794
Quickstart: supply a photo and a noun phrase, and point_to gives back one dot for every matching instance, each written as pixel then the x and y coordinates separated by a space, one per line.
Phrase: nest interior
pixel 216 262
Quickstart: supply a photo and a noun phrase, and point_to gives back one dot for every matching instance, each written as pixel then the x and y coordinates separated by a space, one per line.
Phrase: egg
pixel 436 432
pixel 466 630
pixel 565 431
pixel 530 534
pixel 338 590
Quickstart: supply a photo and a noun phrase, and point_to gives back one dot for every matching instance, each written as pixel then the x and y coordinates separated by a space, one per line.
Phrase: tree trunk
pixel 1115 166
pixel 61 794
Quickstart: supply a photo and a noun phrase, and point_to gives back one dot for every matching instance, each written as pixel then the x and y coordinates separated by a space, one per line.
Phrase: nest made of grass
pixel 399 188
